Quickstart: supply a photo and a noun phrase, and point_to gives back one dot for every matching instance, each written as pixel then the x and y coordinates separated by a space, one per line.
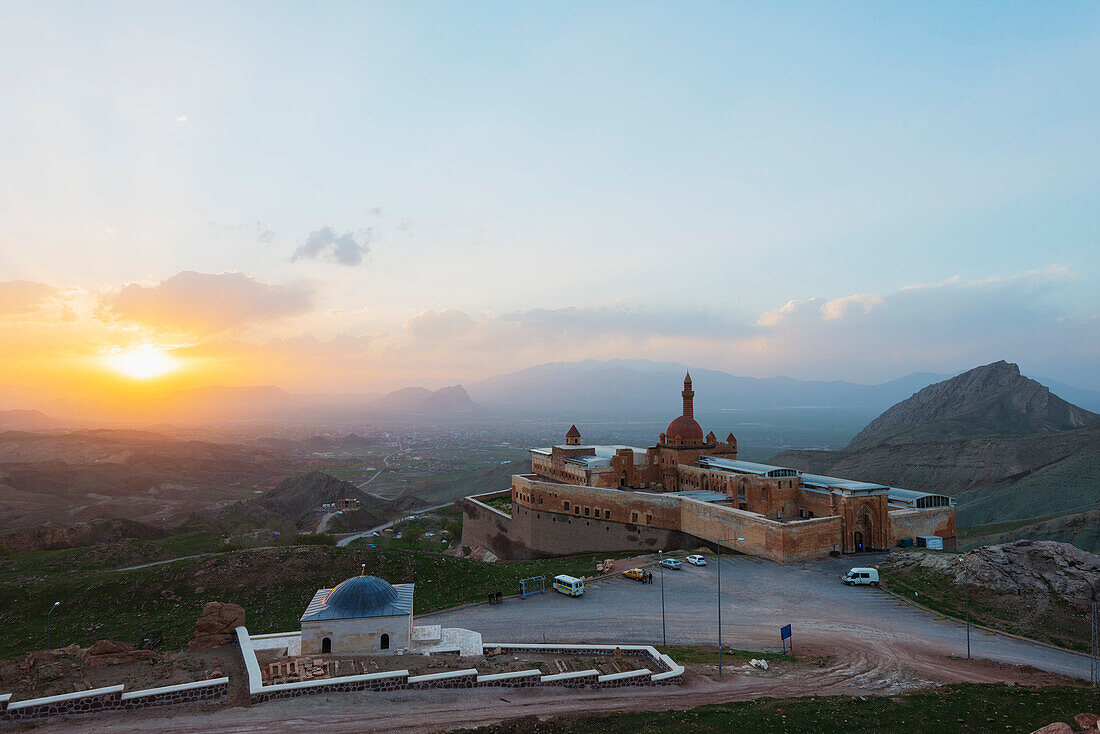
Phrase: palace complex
pixel 691 490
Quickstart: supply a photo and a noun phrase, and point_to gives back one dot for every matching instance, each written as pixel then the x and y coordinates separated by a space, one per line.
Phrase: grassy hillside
pixel 490 480
pixel 958 708
pixel 272 584
pixel 1068 486
pixel 1081 529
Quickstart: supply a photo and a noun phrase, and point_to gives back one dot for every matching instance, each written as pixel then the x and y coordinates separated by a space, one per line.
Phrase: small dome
pixel 361 595
pixel 684 428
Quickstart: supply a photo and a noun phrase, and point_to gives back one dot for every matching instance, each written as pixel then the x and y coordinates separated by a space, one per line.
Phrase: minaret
pixel 689 397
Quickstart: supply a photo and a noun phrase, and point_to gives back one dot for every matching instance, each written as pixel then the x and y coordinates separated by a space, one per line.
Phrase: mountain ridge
pixel 994 399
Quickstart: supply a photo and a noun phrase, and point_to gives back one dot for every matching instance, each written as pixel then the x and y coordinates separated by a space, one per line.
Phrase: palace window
pixel 567 505
pixel 649 519
pixel 607 514
pixel 634 517
pixel 587 512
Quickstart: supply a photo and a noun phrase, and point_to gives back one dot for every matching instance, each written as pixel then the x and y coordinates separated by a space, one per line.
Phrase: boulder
pixel 111 652
pixel 1056 728
pixel 1086 722
pixel 216 626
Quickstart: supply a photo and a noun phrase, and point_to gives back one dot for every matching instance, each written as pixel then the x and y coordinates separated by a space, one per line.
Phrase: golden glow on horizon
pixel 144 362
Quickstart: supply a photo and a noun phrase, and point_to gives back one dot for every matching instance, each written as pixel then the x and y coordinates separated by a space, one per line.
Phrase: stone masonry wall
pixel 668 672
pixel 112 699
pixel 932 521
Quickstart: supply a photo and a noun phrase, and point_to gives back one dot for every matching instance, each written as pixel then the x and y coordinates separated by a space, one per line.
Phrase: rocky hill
pixel 297 501
pixel 991 400
pixel 990 437
pixel 91 475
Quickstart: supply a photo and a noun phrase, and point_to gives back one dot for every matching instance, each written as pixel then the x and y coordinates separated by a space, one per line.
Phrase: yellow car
pixel 634 573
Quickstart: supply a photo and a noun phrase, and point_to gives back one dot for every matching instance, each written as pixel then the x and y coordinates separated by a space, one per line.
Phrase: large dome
pixel 361 596
pixel 684 428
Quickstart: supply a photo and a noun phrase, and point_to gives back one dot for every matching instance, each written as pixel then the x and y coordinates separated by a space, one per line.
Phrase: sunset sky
pixel 336 197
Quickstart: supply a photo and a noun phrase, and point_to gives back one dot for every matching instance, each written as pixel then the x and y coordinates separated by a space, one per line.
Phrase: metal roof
pixel 914 498
pixel 601 455
pixel 848 485
pixel 702 495
pixel 747 467
pixel 360 597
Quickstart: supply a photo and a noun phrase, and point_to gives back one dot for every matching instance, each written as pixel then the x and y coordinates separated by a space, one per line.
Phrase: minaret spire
pixel 689 397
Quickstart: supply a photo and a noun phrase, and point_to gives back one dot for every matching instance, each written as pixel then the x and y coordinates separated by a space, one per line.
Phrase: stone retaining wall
pixel 112 698
pixel 669 673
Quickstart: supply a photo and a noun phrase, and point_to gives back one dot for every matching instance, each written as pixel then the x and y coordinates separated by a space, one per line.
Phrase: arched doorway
pixel 326 644
pixel 864 538
pixel 384 642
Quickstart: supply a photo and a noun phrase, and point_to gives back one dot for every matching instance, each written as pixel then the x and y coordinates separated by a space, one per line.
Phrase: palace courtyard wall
pixel 550 519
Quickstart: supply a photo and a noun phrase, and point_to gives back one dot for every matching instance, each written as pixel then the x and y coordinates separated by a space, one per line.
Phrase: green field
pixel 274 585
pixel 958 709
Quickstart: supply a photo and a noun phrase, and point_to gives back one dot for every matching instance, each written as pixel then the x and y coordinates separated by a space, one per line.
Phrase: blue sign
pixel 785 632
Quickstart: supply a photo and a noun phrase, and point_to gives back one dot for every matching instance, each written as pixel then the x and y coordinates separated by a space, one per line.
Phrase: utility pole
pixel 55 605
pixel 660 564
pixel 966 585
pixel 1094 657
pixel 719 562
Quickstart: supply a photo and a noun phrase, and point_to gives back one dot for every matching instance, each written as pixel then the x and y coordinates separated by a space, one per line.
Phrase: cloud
pixel 181 119
pixel 264 233
pixel 839 307
pixel 346 249
pixel 946 326
pixel 205 303
pixel 25 296
pixel 443 324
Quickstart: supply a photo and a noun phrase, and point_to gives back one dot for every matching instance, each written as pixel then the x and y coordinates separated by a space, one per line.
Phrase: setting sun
pixel 142 363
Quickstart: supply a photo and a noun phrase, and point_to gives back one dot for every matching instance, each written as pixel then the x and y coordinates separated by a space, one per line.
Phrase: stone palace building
pixel 691 490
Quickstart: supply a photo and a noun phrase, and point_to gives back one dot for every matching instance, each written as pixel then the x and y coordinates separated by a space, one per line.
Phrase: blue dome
pixel 358 597
pixel 361 596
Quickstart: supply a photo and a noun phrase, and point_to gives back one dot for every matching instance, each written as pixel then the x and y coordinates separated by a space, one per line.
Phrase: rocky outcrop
pixel 1058 727
pixel 110 652
pixel 216 625
pixel 79 535
pixel 994 399
pixel 1026 568
pixel 477 553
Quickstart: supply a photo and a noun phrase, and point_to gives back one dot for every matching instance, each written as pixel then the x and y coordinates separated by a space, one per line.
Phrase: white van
pixel 861 577
pixel 569 585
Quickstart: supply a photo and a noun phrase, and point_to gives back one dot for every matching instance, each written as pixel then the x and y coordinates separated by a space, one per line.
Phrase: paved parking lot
pixel 758 597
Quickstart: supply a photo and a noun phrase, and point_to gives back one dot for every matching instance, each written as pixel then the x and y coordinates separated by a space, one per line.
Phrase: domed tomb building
pixel 364 615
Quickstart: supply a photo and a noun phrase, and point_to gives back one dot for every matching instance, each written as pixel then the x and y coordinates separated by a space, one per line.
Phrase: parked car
pixel 696 560
pixel 634 573
pixel 861 577
pixel 671 563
